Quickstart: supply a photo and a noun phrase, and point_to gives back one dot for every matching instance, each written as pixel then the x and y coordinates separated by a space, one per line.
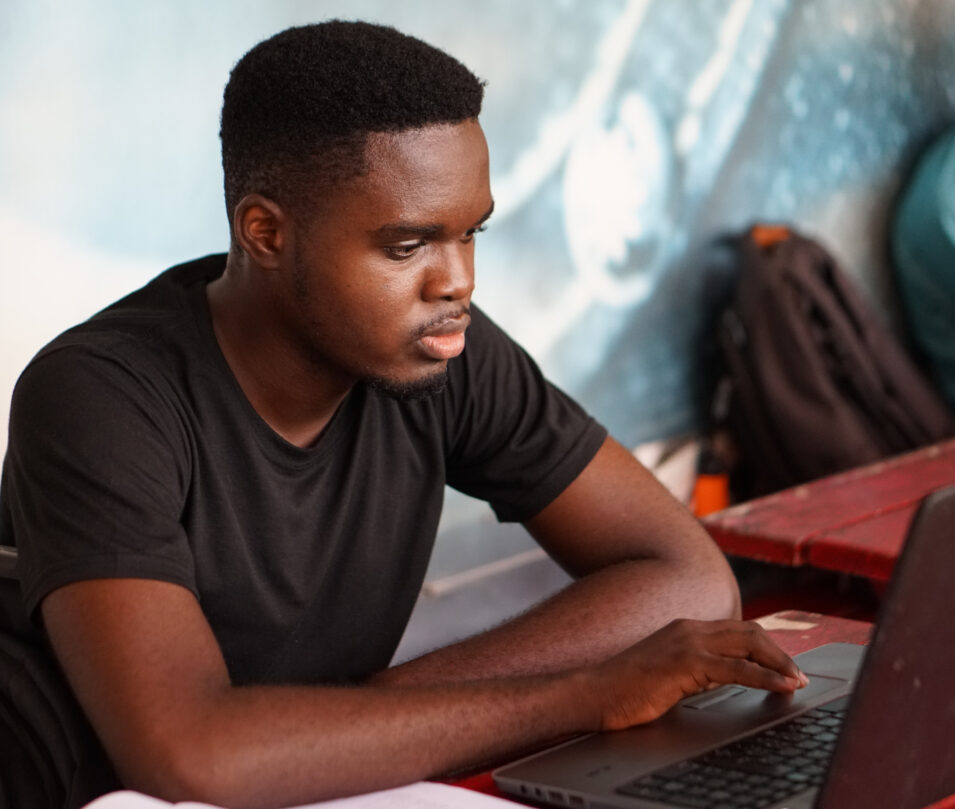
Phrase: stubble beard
pixel 405 391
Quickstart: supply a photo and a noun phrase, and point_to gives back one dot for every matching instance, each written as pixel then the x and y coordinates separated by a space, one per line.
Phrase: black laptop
pixel 875 727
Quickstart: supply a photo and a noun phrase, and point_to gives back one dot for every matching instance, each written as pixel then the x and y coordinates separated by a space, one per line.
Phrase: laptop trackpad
pixel 736 698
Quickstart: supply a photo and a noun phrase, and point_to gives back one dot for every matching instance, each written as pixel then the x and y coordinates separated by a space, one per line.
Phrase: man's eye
pixel 403 251
pixel 469 236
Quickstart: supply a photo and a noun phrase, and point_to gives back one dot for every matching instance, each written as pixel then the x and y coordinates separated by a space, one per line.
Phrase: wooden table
pixel 795 632
pixel 854 522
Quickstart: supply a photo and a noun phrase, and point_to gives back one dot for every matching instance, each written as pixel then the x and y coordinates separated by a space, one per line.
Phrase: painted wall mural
pixel 692 120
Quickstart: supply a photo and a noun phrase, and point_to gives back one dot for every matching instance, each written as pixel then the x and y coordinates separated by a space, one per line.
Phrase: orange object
pixel 710 494
pixel 711 491
pixel 768 235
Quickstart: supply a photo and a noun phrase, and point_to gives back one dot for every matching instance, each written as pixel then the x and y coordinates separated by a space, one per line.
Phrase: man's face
pixel 383 276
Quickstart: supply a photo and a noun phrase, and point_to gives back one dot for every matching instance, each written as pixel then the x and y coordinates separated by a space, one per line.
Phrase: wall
pixel 626 136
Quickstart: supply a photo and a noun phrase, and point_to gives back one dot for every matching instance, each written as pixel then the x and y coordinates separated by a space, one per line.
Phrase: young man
pixel 225 487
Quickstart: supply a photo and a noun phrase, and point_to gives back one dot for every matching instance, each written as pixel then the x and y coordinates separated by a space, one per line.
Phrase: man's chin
pixel 407 391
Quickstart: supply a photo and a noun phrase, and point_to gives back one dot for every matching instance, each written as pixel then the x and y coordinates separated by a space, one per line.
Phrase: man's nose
pixel 451 277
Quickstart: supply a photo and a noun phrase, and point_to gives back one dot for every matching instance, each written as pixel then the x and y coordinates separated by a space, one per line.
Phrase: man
pixel 225 487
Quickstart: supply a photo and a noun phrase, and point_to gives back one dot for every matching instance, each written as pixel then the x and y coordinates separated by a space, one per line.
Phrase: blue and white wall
pixel 626 135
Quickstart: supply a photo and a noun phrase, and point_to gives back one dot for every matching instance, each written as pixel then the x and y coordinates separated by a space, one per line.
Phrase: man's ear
pixel 260 228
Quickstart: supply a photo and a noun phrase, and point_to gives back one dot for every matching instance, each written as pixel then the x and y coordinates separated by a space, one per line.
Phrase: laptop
pixel 875 727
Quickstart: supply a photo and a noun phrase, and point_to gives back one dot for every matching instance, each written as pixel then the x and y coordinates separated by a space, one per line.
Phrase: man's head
pixel 356 178
pixel 299 106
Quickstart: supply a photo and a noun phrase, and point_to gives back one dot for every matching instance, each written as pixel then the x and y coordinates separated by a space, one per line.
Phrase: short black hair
pixel 298 107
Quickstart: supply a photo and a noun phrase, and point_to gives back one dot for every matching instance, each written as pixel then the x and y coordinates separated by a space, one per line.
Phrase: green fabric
pixel 923 241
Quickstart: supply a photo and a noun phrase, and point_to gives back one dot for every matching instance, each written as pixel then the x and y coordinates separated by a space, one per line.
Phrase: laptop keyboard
pixel 754 772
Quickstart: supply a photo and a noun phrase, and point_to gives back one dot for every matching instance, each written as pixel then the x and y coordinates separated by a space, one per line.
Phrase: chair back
pixel 50 757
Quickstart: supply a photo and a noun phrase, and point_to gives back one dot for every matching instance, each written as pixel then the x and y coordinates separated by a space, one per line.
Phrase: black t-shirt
pixel 134 453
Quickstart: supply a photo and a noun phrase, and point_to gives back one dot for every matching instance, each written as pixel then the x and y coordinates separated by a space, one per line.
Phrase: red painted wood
pixel 851 515
pixel 482 782
pixel 867 548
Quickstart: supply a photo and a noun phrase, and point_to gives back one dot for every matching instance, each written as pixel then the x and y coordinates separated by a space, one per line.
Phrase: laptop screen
pixel 897 747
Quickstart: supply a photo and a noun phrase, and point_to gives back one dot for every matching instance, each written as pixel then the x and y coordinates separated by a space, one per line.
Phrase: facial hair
pixel 405 391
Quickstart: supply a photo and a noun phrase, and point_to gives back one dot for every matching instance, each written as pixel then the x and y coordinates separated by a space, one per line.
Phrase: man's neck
pixel 288 393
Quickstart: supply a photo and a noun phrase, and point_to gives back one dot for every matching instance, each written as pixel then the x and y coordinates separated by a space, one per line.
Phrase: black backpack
pixel 813 383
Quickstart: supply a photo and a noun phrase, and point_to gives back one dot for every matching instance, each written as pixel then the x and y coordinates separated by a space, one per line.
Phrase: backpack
pixel 813 384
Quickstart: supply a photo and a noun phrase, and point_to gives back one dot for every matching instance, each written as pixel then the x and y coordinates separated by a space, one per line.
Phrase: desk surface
pixel 795 632
pixel 854 522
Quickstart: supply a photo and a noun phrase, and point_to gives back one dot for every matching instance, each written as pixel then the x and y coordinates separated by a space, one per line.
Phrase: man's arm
pixel 147 670
pixel 641 561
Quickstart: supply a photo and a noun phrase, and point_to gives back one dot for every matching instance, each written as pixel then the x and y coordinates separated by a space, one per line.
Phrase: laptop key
pixel 689 799
pixel 755 766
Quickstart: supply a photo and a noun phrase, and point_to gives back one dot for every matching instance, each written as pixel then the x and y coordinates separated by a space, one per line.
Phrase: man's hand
pixel 682 659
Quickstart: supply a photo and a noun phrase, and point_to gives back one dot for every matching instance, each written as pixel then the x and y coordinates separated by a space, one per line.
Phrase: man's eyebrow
pixel 396 230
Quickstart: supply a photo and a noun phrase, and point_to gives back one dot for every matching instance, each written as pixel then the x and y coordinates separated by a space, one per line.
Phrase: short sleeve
pixel 95 475
pixel 514 439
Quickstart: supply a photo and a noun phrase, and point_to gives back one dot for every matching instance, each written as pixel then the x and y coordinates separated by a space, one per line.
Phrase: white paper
pixel 136 800
pixel 423 795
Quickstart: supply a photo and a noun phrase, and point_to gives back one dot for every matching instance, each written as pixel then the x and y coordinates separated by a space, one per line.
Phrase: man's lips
pixel 446 339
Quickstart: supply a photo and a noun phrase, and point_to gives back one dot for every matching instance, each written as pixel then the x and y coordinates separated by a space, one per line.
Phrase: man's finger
pixel 746 672
pixel 750 641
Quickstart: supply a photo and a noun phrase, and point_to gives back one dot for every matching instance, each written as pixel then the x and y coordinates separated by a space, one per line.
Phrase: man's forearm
pixel 592 619
pixel 148 672
pixel 274 746
pixel 146 668
pixel 267 746
pixel 280 746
